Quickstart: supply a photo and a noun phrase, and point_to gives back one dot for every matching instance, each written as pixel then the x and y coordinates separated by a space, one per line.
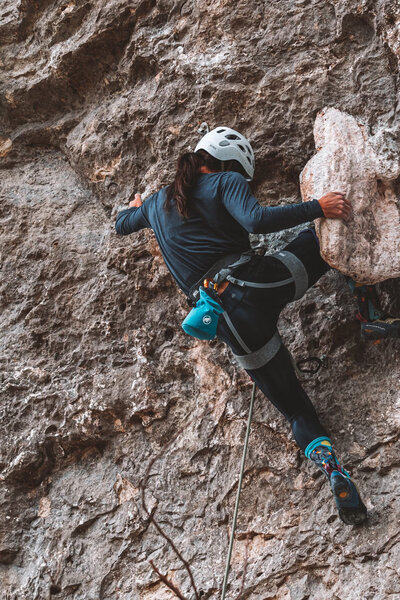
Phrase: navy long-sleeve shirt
pixel 225 213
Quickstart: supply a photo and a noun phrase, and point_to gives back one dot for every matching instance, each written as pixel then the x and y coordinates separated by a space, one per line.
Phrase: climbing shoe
pixel 351 509
pixel 375 324
pixel 384 327
pixel 367 301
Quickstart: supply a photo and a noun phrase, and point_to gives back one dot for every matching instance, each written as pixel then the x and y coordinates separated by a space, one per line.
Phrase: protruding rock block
pixel 363 167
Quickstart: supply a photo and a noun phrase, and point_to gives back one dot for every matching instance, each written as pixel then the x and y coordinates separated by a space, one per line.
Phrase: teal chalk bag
pixel 202 321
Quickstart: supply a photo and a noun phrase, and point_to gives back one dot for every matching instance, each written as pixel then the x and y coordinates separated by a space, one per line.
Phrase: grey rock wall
pixel 100 388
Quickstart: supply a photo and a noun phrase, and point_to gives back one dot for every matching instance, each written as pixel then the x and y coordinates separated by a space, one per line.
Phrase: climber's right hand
pixel 335 206
pixel 137 202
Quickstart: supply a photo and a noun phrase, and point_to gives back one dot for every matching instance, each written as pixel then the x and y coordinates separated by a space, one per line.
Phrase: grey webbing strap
pixel 235 332
pixel 253 284
pixel 259 358
pixel 297 270
pixel 225 271
pixel 262 356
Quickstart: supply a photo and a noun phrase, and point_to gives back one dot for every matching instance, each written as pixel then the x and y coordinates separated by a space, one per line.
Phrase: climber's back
pixel 191 245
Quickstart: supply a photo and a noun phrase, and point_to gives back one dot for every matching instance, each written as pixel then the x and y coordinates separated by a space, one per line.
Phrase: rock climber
pixel 201 222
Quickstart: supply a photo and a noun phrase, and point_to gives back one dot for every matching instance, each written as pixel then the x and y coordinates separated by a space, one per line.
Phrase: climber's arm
pixel 241 204
pixel 133 218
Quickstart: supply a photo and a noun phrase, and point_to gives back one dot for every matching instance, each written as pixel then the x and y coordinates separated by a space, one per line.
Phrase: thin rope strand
pixel 235 513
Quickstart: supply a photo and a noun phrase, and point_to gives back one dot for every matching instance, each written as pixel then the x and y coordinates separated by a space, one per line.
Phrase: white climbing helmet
pixel 226 144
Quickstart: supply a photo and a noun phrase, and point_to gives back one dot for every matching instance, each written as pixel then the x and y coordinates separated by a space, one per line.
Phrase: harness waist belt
pixel 299 275
pixel 253 284
pixel 219 272
pixel 223 269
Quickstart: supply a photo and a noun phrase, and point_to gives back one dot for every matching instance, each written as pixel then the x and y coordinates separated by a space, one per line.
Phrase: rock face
pixel 367 247
pixel 102 394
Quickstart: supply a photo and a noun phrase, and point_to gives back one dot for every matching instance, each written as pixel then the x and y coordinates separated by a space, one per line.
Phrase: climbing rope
pixel 314 365
pixel 235 512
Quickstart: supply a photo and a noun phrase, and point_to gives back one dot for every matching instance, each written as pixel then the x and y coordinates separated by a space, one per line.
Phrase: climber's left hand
pixel 136 202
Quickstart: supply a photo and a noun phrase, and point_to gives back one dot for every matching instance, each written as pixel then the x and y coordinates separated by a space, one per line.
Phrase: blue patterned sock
pixel 321 453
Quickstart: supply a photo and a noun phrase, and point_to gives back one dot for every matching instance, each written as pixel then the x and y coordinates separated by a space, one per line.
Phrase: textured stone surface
pixel 348 160
pixel 98 380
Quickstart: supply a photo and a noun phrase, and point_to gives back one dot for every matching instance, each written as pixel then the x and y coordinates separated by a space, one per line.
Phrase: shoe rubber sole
pixel 353 516
pixel 376 330
pixel 352 510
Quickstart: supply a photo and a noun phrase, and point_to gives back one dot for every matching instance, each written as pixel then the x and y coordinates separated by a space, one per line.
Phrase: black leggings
pixel 255 312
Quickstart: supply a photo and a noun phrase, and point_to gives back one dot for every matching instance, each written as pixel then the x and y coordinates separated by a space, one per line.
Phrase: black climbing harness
pixel 224 270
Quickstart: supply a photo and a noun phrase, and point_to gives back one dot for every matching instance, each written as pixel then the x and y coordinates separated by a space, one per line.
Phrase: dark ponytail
pixel 187 173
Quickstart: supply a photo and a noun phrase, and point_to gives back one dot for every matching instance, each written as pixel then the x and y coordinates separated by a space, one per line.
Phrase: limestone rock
pixel 364 168
pixel 5 147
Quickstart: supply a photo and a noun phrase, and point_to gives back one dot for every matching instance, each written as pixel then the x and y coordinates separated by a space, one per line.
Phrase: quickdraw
pixel 209 283
pixel 314 360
